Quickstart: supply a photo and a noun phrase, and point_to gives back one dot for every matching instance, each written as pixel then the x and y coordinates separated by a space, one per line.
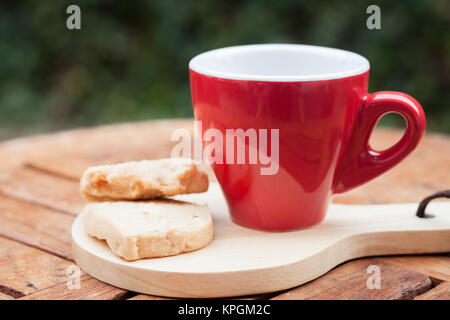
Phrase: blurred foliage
pixel 129 60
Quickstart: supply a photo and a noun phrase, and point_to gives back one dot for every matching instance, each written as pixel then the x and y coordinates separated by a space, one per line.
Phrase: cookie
pixel 149 229
pixel 143 180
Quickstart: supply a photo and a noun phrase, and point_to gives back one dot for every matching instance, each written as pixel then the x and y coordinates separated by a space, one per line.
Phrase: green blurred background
pixel 129 60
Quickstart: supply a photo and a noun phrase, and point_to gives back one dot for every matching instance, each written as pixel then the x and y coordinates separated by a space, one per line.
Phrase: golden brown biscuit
pixel 143 180
pixel 148 229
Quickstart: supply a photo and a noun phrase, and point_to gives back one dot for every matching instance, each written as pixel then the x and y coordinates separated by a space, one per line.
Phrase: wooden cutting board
pixel 242 261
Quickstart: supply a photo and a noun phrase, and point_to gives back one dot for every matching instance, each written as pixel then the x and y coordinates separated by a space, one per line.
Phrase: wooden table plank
pixel 50 231
pixel 24 270
pixel 36 226
pixel 68 153
pixel 349 281
pixel 43 189
pixel 5 297
pixel 440 292
pixel 90 289
pixel 437 267
pixel 31 273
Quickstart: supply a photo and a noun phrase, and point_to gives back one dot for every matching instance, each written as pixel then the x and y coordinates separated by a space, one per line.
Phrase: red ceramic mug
pixel 317 99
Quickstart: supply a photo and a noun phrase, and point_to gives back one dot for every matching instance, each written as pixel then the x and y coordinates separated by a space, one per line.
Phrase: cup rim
pixel 354 64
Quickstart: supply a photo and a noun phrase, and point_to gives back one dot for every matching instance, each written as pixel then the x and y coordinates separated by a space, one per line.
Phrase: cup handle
pixel 360 162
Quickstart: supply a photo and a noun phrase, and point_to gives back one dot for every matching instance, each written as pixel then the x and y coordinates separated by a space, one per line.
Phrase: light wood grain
pixel 147 297
pixel 36 226
pixel 43 189
pixel 349 282
pixel 241 261
pixel 251 297
pixel 440 292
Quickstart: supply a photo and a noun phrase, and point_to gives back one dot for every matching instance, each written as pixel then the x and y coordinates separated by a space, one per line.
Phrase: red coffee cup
pixel 316 99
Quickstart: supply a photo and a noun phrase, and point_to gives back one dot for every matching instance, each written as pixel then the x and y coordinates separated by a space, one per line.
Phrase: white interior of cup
pixel 279 62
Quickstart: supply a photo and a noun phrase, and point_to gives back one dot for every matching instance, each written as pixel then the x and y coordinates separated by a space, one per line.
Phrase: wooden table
pixel 39 200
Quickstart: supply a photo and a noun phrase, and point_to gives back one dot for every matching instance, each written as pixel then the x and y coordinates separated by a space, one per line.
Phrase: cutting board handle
pixel 424 203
